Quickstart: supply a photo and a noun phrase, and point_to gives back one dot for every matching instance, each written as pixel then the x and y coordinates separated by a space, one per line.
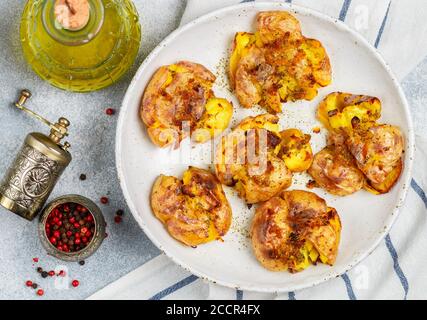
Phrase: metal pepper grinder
pixel 36 168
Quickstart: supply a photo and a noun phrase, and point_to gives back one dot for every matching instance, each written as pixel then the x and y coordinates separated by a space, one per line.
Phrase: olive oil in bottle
pixel 80 45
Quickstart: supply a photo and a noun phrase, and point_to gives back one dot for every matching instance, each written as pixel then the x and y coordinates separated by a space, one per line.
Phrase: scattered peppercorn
pixel 82 262
pixel 104 200
pixel 39 269
pixel 119 212
pixel 75 283
pixel 44 274
pixel 34 286
pixel 51 273
pixel 110 111
pixel 83 177
pixel 61 273
pixel 40 292
pixel 29 283
pixel 117 219
pixel 36 260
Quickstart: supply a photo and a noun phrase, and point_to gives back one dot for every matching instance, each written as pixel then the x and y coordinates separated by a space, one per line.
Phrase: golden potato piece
pixel 376 149
pixel 179 100
pixel 194 210
pixel 295 150
pixel 247 159
pixel 214 121
pixel 342 111
pixel 295 229
pixel 277 63
pixel 302 68
pixel 388 182
pixel 241 43
pixel 249 73
pixel 335 171
pixel 278 26
pixel 378 153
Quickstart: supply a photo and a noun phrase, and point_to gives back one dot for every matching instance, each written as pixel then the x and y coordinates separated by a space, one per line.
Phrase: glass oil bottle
pixel 80 45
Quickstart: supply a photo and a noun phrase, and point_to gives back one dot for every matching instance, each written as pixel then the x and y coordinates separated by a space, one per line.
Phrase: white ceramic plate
pixel 357 68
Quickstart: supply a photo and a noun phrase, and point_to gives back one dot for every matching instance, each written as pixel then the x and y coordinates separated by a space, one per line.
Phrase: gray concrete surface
pixel 92 138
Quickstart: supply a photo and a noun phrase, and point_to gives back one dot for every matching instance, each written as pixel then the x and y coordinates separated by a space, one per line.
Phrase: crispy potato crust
pixel 340 111
pixel 277 63
pixel 336 172
pixel 195 209
pixel 376 149
pixel 296 150
pixel 254 169
pixel 378 153
pixel 295 229
pixel 388 182
pixel 334 168
pixel 179 100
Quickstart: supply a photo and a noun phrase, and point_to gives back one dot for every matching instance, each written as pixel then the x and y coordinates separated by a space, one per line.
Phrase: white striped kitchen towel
pixel 395 270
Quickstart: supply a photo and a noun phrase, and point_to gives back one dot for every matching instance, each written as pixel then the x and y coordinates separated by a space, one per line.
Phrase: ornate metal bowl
pixel 98 235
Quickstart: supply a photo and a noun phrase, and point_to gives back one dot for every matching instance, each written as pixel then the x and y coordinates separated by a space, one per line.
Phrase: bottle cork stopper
pixel 72 14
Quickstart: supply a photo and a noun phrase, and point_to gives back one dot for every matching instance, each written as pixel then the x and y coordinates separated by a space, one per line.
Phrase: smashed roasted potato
pixel 342 111
pixel 277 63
pixel 195 209
pixel 179 101
pixel 294 230
pixel 334 169
pixel 246 159
pixel 258 160
pixel 378 152
pixel 376 149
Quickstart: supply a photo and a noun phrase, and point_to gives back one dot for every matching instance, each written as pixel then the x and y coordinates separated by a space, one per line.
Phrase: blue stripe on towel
pixel 349 287
pixel 239 294
pixel 380 32
pixel 388 242
pixel 174 287
pixel 344 9
pixel 243 1
pixel 291 295
pixel 419 191
pixel 396 265
pixel 288 1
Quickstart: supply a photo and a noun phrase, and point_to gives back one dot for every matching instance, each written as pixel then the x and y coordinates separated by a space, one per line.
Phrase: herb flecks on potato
pixel 340 111
pixel 257 159
pixel 294 230
pixel 295 150
pixel 179 101
pixel 277 63
pixel 359 142
pixel 195 209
